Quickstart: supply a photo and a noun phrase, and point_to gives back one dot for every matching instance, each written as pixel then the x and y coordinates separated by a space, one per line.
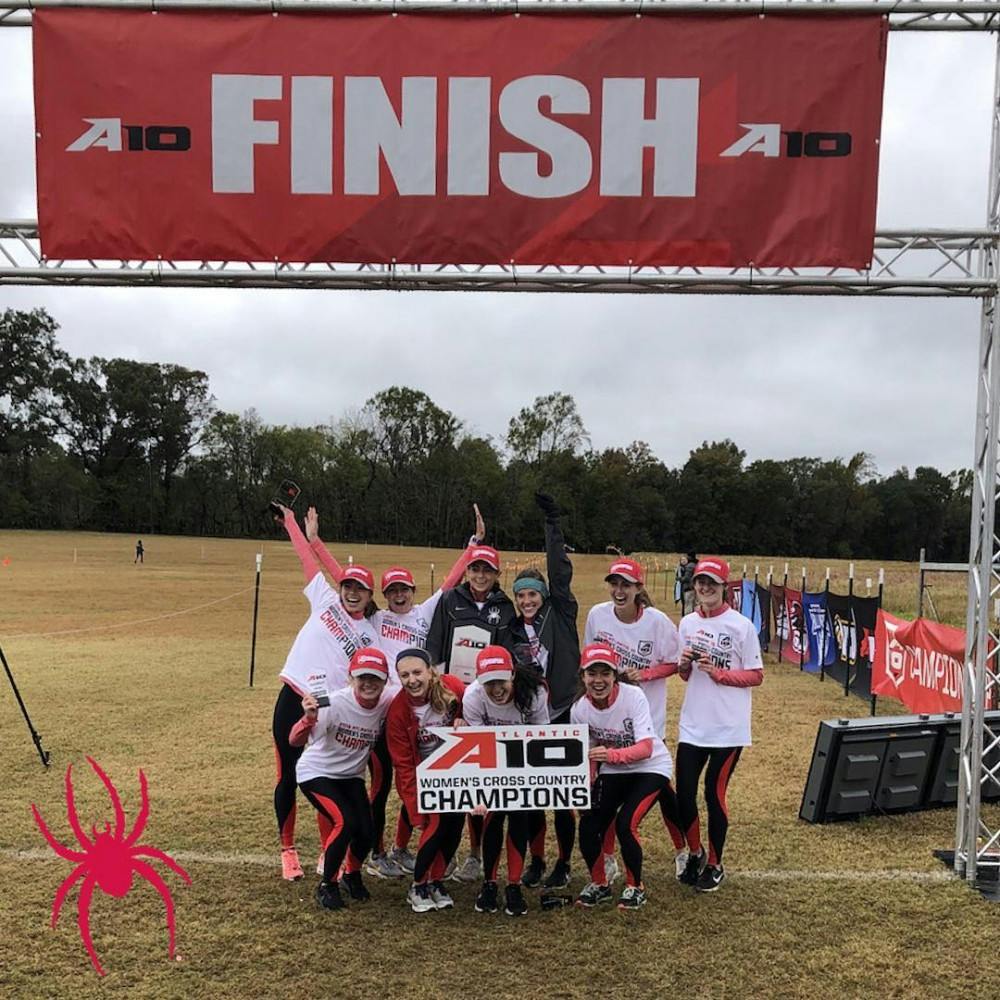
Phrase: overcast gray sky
pixel 782 377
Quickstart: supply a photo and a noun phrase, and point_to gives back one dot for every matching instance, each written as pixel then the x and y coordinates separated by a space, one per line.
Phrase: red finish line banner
pixel 586 139
pixel 919 663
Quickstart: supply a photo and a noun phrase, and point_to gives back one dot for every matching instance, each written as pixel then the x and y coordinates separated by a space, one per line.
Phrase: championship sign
pixel 510 768
pixel 467 138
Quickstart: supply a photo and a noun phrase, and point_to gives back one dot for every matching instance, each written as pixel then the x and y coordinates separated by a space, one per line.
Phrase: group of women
pixel 364 688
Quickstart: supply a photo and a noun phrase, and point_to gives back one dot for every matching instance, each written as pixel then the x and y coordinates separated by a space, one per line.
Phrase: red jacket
pixel 401 735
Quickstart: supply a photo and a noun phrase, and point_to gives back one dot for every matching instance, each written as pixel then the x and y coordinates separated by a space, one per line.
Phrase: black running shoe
pixel 516 906
pixel 486 901
pixel 328 896
pixel 710 879
pixel 356 887
pixel 693 868
pixel 533 873
pixel 558 878
pixel 593 894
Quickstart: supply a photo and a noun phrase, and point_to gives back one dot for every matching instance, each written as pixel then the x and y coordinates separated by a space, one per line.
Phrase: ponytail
pixel 442 699
pixel 526 685
pixel 643 599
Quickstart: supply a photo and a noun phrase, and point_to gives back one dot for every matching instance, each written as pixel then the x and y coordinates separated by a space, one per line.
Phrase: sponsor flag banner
pixel 866 611
pixel 458 138
pixel 506 768
pixel 734 594
pixel 764 604
pixel 794 640
pixel 780 632
pixel 844 635
pixel 919 663
pixel 749 606
pixel 822 644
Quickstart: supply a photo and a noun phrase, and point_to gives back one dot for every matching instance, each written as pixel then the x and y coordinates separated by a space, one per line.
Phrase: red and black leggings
pixel 517 844
pixel 691 761
pixel 622 800
pixel 343 803
pixel 438 842
pixel 565 823
pixel 380 769
pixel 287 711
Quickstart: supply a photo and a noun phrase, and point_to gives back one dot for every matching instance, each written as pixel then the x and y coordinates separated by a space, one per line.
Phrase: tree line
pixel 118 445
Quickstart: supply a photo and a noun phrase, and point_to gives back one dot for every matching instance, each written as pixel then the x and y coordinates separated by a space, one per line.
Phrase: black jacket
pixel 457 608
pixel 555 625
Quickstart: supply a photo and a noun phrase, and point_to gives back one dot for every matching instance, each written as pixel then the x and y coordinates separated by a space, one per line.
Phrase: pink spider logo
pixel 109 860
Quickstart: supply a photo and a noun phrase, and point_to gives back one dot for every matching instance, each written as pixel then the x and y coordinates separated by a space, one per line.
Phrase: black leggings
pixel 691 761
pixel 287 711
pixel 565 822
pixel 622 799
pixel 517 844
pixel 343 802
pixel 438 843
pixel 380 769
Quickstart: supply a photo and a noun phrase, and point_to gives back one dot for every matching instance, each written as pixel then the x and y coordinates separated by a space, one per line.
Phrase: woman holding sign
pixel 338 739
pixel 503 696
pixel 338 625
pixel 720 660
pixel 633 769
pixel 426 700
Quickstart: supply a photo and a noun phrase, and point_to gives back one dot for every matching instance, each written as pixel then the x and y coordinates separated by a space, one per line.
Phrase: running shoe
pixel 681 861
pixel 328 896
pixel 291 870
pixel 470 870
pixel 486 901
pixel 692 870
pixel 533 873
pixel 558 878
pixel 439 894
pixel 419 898
pixel 632 897
pixel 611 870
pixel 356 887
pixel 383 866
pixel 402 857
pixel 515 904
pixel 710 878
pixel 592 894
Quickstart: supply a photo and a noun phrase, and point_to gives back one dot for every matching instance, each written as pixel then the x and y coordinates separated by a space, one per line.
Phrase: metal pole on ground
pixel 804 634
pixel 852 647
pixel 36 739
pixel 826 618
pixel 881 591
pixel 784 614
pixel 920 595
pixel 256 604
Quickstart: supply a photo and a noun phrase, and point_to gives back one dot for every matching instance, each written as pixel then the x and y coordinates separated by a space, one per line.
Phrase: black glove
pixel 549 507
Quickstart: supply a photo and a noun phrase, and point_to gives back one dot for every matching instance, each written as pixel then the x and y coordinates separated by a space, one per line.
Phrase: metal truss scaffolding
pixel 955 263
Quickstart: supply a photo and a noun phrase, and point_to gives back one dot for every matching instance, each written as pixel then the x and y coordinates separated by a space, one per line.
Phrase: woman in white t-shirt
pixel 633 767
pixel 721 662
pixel 645 640
pixel 503 696
pixel 337 740
pixel 339 624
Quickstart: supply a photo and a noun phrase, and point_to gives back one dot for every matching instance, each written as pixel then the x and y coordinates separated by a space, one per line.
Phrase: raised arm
pixel 310 567
pixel 455 574
pixel 324 555
pixel 558 564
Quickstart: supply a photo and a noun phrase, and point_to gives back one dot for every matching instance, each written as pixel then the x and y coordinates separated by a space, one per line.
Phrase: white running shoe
pixel 439 894
pixel 470 870
pixel 402 857
pixel 419 898
pixel 681 861
pixel 611 870
pixel 382 866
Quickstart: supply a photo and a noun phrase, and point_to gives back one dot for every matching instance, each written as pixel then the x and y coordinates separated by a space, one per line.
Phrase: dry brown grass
pixel 171 696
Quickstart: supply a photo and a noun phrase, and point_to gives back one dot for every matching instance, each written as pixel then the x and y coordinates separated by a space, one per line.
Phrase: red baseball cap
pixel 494 664
pixel 714 568
pixel 360 574
pixel 483 553
pixel 397 574
pixel 598 652
pixel 627 569
pixel 370 661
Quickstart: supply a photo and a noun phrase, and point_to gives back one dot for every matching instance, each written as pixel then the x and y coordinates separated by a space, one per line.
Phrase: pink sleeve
pixel 330 564
pixel 302 549
pixel 658 670
pixel 455 574
pixel 630 755
pixel 739 678
pixel 299 736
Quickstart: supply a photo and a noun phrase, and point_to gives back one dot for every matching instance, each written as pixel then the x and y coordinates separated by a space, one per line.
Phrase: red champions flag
pixel 919 663
pixel 458 138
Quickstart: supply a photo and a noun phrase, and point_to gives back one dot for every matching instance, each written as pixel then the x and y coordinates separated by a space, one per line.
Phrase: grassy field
pixel 146 666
